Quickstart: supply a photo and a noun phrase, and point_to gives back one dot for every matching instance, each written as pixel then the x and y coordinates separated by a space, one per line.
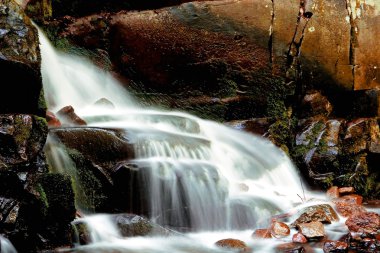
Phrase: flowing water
pixel 217 181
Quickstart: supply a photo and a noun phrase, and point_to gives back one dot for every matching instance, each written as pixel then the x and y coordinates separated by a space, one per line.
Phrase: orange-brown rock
pixel 232 244
pixel 346 190
pixel 52 120
pixel 333 192
pixel 68 116
pixel 346 209
pixel 312 230
pixel 290 248
pixel 351 199
pixel 364 222
pixel 279 229
pixel 299 238
pixel 262 233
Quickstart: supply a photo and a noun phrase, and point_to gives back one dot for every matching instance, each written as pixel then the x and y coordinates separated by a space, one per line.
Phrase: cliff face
pixel 28 197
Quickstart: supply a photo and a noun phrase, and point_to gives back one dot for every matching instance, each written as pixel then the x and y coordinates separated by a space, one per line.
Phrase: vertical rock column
pixel 35 207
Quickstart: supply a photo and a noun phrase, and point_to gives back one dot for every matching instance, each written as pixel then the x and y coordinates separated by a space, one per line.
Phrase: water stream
pixel 218 181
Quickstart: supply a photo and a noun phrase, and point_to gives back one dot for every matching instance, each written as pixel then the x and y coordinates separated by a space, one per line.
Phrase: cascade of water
pixel 202 174
pixel 6 246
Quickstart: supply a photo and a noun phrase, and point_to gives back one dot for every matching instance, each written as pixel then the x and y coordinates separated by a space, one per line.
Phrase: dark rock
pixel 315 103
pixel 19 63
pixel 133 225
pixel 335 247
pixel 257 126
pixel 364 222
pixel 68 117
pixel 279 229
pixel 312 230
pixel 9 212
pixel 299 238
pixel 22 137
pixel 361 134
pixel 232 244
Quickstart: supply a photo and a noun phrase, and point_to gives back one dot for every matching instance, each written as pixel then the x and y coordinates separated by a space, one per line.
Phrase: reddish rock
pixel 257 126
pixel 69 117
pixel 352 199
pixel 312 230
pixel 290 248
pixel 335 247
pixel 346 190
pixel 299 238
pixel 346 209
pixel 333 192
pixel 232 244
pixel 262 233
pixel 52 120
pixel 364 222
pixel 279 229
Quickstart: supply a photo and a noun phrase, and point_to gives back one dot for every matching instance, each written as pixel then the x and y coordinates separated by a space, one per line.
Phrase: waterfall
pixel 6 246
pixel 201 174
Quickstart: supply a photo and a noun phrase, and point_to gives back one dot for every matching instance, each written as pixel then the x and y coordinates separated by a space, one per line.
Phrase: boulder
pixel 323 213
pixel 22 137
pixel 312 230
pixel 279 229
pixel 68 117
pixel 262 233
pixel 233 244
pixel 314 103
pixel 290 248
pixel 364 222
pixel 299 238
pixel 335 247
pixel 19 62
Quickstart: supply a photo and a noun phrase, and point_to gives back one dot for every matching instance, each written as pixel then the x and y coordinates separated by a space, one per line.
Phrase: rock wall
pixel 29 195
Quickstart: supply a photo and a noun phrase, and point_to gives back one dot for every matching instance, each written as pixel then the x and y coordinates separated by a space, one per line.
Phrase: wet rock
pixel 299 238
pixel 312 230
pixel 19 62
pixel 257 126
pixel 346 210
pixel 9 211
pixel 335 247
pixel 351 199
pixel 133 225
pixel 22 137
pixel 333 192
pixel 323 213
pixel 68 117
pixel 52 120
pixel 104 103
pixel 314 103
pixel 262 233
pixel 290 248
pixel 232 244
pixel 279 229
pixel 346 190
pixel 364 222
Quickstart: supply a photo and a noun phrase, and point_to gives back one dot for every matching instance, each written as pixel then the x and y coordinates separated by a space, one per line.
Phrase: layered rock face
pixel 31 199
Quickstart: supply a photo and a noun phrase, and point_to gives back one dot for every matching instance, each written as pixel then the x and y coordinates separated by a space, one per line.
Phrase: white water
pixel 203 175
pixel 6 246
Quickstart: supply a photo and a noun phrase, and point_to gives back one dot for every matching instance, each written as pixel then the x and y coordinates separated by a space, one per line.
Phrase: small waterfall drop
pixel 202 174
pixel 6 246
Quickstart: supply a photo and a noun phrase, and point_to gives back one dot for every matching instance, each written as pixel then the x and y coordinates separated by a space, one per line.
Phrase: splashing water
pixel 6 246
pixel 202 175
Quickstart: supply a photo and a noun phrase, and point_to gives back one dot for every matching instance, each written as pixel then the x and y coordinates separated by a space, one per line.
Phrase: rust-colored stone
pixel 333 192
pixel 232 244
pixel 279 229
pixel 346 209
pixel 364 222
pixel 312 230
pixel 68 116
pixel 262 233
pixel 299 238
pixel 346 190
pixel 52 120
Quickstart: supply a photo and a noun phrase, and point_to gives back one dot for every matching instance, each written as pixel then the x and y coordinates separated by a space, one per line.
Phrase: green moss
pixel 43 198
pixel 42 107
pixel 22 130
pixel 90 192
